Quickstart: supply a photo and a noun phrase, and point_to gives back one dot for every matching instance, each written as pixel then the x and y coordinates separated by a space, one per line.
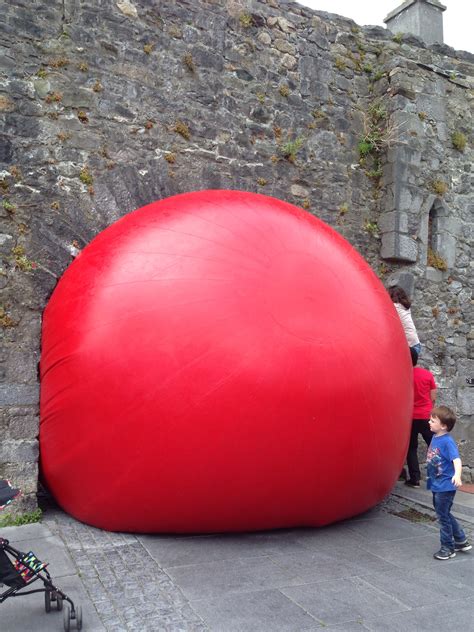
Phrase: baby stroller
pixel 19 570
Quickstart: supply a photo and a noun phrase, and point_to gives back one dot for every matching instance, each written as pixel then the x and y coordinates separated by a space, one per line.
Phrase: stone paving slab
pixel 262 610
pixel 210 579
pixel 420 587
pixel 170 551
pixel 341 600
pixel 453 615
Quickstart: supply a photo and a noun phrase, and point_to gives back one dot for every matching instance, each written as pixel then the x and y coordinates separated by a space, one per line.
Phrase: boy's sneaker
pixel 462 546
pixel 444 554
pixel 412 483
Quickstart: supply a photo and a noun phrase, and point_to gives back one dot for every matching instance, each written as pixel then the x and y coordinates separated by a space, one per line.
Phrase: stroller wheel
pixel 79 617
pixel 59 602
pixel 47 600
pixel 67 617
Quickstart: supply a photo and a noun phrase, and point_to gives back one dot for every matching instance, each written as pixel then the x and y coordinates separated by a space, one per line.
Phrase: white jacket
pixel 408 325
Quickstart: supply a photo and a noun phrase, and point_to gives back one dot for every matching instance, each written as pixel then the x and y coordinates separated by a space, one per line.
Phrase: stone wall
pixel 106 106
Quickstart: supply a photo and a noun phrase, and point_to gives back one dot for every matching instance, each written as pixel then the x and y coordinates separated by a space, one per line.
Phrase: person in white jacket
pixel 403 305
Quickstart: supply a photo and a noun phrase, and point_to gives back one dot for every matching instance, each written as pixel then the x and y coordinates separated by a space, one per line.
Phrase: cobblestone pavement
pixel 128 588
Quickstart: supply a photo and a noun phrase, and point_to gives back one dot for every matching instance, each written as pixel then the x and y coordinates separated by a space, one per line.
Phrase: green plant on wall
pixel 289 149
pixel 21 260
pixel 371 228
pixel 375 135
pixel 459 141
pixel 378 134
pixel 182 129
pixel 246 20
pixel 189 62
pixel 8 206
pixel 439 187
pixel 5 319
pixel 435 260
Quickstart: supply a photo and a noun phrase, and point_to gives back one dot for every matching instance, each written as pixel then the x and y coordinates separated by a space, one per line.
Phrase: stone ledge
pixel 399 247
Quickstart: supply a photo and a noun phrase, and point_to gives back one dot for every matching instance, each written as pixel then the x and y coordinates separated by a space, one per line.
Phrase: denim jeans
pixel 450 531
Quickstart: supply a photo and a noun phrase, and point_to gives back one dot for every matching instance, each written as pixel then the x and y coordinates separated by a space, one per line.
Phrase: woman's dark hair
pixel 398 295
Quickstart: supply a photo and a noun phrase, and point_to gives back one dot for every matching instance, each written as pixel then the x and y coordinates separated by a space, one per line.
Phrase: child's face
pixel 436 426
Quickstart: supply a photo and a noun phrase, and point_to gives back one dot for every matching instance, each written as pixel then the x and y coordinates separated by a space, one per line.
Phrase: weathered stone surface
pixel 432 274
pixel 20 423
pixel 18 450
pixel 466 400
pixel 23 394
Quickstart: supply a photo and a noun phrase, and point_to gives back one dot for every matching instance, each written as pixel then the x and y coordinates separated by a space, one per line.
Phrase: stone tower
pixel 423 18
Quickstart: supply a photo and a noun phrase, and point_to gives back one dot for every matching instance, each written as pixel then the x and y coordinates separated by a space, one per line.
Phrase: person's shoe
pixel 462 546
pixel 444 554
pixel 412 483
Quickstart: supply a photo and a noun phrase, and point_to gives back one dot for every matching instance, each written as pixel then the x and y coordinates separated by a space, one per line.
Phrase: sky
pixel 457 19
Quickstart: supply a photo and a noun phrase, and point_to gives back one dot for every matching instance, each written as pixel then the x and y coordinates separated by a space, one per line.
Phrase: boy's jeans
pixel 450 531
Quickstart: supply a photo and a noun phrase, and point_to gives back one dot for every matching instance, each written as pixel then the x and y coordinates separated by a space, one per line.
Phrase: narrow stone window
pixel 439 235
pixel 432 227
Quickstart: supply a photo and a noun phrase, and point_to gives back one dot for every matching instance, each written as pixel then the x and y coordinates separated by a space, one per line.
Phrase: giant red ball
pixel 221 361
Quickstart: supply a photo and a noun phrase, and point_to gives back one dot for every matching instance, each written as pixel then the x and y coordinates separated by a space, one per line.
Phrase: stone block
pixel 407 198
pixel 299 191
pixel 14 451
pixel 466 400
pixel 20 472
pixel 406 124
pixel 435 107
pixel 398 247
pixel 405 154
pixel 6 149
pixel 445 246
pixel 127 8
pixel 466 369
pixel 22 365
pixel 432 274
pixel 21 423
pixel 19 394
pixel 393 221
pixel 6 244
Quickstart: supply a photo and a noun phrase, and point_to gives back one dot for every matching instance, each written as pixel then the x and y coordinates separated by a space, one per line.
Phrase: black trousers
pixel 418 426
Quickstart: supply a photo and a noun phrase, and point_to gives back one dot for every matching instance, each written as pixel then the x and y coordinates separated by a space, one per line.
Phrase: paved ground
pixel 375 572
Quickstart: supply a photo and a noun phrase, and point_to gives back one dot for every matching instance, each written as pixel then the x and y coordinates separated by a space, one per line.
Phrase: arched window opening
pixel 435 260
pixel 440 236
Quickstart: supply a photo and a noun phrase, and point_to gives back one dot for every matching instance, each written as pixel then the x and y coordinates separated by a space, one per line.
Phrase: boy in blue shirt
pixel 444 476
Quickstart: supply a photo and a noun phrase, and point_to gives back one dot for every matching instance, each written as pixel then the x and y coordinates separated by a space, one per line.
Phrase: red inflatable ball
pixel 221 361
